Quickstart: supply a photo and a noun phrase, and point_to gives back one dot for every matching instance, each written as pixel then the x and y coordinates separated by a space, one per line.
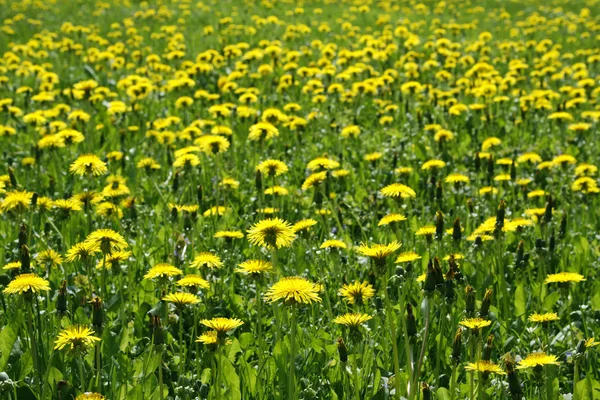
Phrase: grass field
pixel 311 199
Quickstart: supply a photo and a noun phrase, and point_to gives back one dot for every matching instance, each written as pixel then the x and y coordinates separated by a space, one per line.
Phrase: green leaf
pixel 232 380
pixel 8 337
pixel 550 301
pixel 588 389
pixel 520 300
pixel 246 339
pixel 442 394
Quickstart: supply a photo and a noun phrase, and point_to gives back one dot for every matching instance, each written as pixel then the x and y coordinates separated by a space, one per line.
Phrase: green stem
pixel 453 383
pixel 390 318
pixel 407 349
pixel 34 349
pixel 160 377
pixel 292 370
pixel 81 376
pixel 424 344
pixel 575 377
pixel 355 373
pixel 549 388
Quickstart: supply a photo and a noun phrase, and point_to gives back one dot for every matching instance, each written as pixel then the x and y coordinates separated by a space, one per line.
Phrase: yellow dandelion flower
pixel 194 281
pixel 537 359
pixel 564 277
pixel 208 260
pixel 357 292
pixel 88 164
pixel 181 298
pixel 254 267
pixel 27 283
pixel 271 233
pixel 77 337
pixel 486 367
pixel 293 290
pixel 352 320
pixel 162 271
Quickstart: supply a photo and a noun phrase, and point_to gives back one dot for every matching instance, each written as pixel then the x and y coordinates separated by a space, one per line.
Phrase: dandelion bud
pixel 470 205
pixel 11 175
pixel 520 254
pixel 547 218
pixel 25 259
pixel 500 214
pixel 426 391
pixel 174 214
pixel 449 291
pixel 562 232
pixel 469 300
pixel 439 225
pixel 552 242
pixel 513 171
pixel 478 241
pixel 22 235
pixel 581 347
pixel 61 300
pixel 477 162
pixel 487 348
pixel 258 180
pixel 485 303
pixel 540 244
pixel 411 323
pixel 97 312
pixel 34 199
pixel 157 330
pixel 439 192
pixel 175 185
pixel 457 346
pixel 437 272
pixel 514 385
pixel 456 230
pixel 342 350
pixel 430 280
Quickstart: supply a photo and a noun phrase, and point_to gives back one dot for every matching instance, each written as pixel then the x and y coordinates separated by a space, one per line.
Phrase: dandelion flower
pixel 254 267
pixel 107 240
pixel 89 164
pixel 378 251
pixel 222 325
pixel 162 271
pixel 90 396
pixel 475 323
pixel 208 260
pixel 485 366
pixel 357 292
pixel 77 337
pixel 193 281
pixel 538 359
pixel 408 256
pixel 391 218
pixel 564 277
pixel 293 290
pixel 352 320
pixel 272 168
pixel 398 190
pixel 18 201
pixel 25 283
pixel 303 225
pixel 181 298
pixel 333 244
pixel 271 233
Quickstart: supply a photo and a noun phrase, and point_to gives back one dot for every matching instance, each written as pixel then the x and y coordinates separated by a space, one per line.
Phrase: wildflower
pixel 391 218
pixel 216 210
pixel 352 320
pixel 90 396
pixel 314 179
pixel 322 163
pixel 254 267
pixel 543 318
pixel 222 325
pixel 333 244
pixel 77 337
pixel 293 290
pixel 88 164
pixel 193 281
pixel 107 240
pixel 537 359
pixel 228 235
pixel 486 367
pixel 81 251
pixel 303 225
pixel 181 298
pixel 398 190
pixel 27 283
pixel 262 131
pixel 210 338
pixel 208 260
pixel 564 277
pixel 162 271
pixel 378 252
pixel 433 164
pixel 17 201
pixel 408 256
pixel 357 292
pixel 272 168
pixel 475 323
pixel 271 233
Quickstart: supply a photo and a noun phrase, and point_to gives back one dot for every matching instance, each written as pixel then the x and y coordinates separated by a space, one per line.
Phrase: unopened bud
pixel 342 350
pixel 485 303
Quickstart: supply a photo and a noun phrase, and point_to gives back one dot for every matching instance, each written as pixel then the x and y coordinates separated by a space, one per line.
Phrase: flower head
pixel 77 337
pixel 107 240
pixel 222 325
pixel 272 167
pixel 162 271
pixel 293 290
pixel 352 320
pixel 271 233
pixel 543 318
pixel 181 298
pixel 208 260
pixel 254 267
pixel 193 281
pixel 564 277
pixel 537 359
pixel 357 292
pixel 25 283
pixel 475 323
pixel 398 190
pixel 485 367
pixel 378 251
pixel 88 164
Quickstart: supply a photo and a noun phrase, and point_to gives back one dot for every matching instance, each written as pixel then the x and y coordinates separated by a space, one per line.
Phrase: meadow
pixel 318 199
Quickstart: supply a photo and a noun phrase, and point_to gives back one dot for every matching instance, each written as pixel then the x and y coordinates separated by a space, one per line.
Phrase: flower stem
pixel 424 344
pixel 34 350
pixel 390 318
pixel 292 371
pixel 453 382
pixel 81 375
pixel 575 377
